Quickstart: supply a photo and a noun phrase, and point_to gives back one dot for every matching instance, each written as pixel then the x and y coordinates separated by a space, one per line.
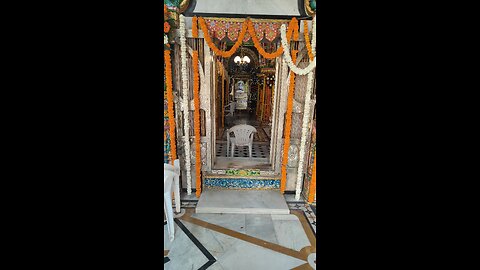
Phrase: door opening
pixel 244 96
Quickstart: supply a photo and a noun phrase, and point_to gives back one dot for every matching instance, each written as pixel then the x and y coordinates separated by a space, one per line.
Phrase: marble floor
pixel 309 211
pixel 242 202
pixel 223 163
pixel 241 241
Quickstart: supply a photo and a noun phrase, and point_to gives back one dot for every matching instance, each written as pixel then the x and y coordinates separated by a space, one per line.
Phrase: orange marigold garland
pixel 313 184
pixel 288 125
pixel 214 48
pixel 307 40
pixel 294 25
pixel 246 26
pixel 171 119
pixel 194 27
pixel 292 28
pixel 196 122
pixel 256 43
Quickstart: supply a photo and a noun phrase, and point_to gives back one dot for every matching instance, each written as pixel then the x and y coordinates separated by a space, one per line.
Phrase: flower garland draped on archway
pixel 294 70
pixel 288 57
pixel 246 25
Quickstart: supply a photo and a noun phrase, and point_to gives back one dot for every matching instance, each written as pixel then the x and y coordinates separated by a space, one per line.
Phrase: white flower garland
pixel 314 35
pixel 288 57
pixel 186 109
pixel 306 112
pixel 306 117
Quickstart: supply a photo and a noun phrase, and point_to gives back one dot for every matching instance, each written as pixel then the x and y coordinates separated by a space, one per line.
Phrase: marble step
pixel 242 202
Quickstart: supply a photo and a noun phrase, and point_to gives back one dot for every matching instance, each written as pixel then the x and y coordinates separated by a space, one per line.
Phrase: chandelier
pixel 241 59
pixel 245 60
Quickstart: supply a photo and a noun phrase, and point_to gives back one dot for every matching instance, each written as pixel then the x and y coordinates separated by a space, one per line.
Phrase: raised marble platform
pixel 242 202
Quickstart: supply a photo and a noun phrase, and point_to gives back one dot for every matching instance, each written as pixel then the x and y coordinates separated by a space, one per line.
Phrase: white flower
pixel 165 39
pixel 303 140
pixel 306 112
pixel 288 57
pixel 183 56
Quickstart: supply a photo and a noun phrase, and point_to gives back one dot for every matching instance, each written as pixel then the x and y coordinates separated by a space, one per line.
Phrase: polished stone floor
pixel 241 241
pixel 309 211
pixel 242 202
pixel 223 163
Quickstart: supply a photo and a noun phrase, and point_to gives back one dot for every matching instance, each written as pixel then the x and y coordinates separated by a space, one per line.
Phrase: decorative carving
pixel 293 156
pixel 203 148
pixel 242 183
pixel 243 172
pixel 297 107
pixel 310 7
pixel 192 153
pixel 296 132
pixel 301 82
pixel 183 5
pixel 267 173
pixel 229 28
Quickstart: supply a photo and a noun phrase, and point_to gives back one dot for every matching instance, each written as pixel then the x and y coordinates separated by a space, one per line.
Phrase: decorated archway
pixel 200 47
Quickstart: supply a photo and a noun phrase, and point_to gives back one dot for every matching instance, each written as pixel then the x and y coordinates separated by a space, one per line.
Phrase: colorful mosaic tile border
pixel 308 211
pixel 241 183
pixel 242 172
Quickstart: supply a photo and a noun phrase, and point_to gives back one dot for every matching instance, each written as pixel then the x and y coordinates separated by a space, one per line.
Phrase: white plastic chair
pixel 243 137
pixel 231 110
pixel 171 183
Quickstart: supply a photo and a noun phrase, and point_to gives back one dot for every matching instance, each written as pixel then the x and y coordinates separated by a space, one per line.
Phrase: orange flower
pixel 171 118
pixel 279 51
pixel 196 123
pixel 166 27
pixel 307 40
pixel 194 27
pixel 295 28
pixel 246 26
pixel 288 125
pixel 214 48
pixel 256 43
pixel 165 10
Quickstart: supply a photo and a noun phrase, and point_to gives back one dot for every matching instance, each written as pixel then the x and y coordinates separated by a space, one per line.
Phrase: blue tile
pixel 242 183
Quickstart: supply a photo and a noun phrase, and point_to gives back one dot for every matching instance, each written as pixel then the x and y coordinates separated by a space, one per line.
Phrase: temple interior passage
pixel 245 100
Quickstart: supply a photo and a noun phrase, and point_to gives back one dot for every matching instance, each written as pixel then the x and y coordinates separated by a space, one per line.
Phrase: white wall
pixel 252 7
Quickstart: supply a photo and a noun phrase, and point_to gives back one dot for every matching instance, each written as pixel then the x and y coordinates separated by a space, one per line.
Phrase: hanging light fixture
pixel 241 59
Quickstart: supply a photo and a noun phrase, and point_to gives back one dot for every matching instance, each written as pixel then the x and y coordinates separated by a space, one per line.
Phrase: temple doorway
pixel 244 96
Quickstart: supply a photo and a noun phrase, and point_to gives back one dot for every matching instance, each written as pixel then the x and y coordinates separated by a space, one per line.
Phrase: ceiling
pixel 246 8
